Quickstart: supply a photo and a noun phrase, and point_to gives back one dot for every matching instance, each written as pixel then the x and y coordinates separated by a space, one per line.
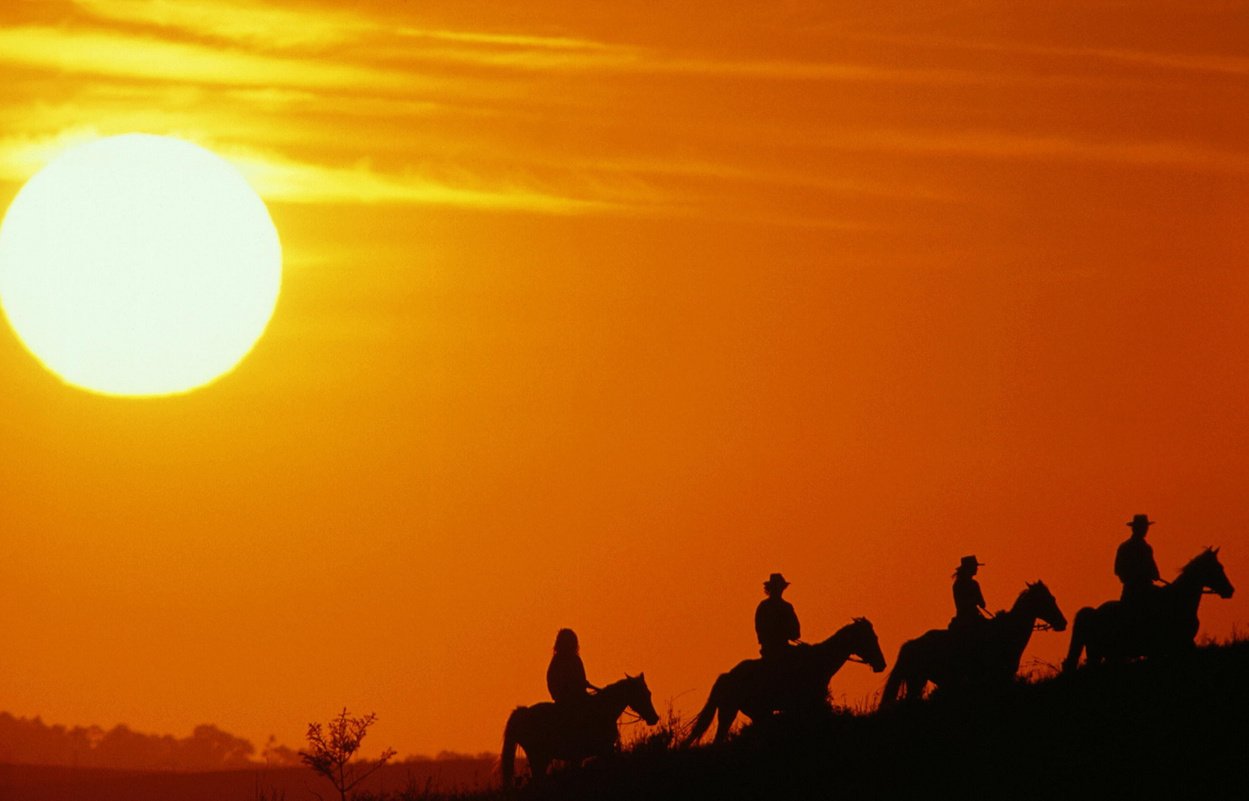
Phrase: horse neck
pixel 833 652
pixel 1185 592
pixel 1018 621
pixel 614 697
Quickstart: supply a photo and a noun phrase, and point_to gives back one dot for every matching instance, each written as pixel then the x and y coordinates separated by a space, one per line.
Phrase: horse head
pixel 1038 602
pixel 864 644
pixel 638 698
pixel 1206 569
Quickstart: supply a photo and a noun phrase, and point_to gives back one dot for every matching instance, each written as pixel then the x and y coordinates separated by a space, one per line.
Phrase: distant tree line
pixel 33 742
pixel 30 741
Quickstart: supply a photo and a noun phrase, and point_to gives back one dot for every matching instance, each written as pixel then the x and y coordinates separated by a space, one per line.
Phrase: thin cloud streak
pixel 239 22
pixel 509 39
pixel 1041 148
pixel 713 171
pixel 281 179
pixel 288 28
pixel 22 156
pixel 125 56
pixel 1210 63
pixel 294 29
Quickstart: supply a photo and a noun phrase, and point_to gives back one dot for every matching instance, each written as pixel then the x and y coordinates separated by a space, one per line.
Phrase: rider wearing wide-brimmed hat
pixel 1134 562
pixel 969 605
pixel 776 622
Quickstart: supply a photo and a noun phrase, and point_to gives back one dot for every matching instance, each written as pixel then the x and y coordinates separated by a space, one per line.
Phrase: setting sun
pixel 139 265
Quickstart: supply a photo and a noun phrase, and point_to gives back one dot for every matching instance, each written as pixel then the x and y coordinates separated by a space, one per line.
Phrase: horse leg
pixel 508 757
pixel 898 685
pixel 725 715
pixel 893 684
pixel 1078 633
pixel 539 764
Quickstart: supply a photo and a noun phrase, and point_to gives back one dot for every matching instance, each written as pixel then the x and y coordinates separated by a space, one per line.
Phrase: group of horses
pixel 954 661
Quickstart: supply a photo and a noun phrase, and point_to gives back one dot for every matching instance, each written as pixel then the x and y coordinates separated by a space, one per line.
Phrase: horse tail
pixel 707 713
pixel 1079 634
pixel 897 679
pixel 508 758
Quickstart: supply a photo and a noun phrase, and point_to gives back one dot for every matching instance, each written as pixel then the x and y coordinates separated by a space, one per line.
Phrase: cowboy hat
pixel 1140 520
pixel 776 580
pixel 968 562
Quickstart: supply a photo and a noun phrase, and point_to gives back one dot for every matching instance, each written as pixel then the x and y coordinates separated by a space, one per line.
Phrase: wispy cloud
pixel 1207 63
pixel 121 55
pixel 282 179
pixel 275 28
pixel 1042 147
pixel 249 23
pixel 733 173
pixel 1210 63
pixel 509 39
pixel 270 27
pixel 22 156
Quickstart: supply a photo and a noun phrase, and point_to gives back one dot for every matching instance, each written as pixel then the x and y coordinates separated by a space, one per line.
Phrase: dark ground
pixel 1150 729
pixel 1143 730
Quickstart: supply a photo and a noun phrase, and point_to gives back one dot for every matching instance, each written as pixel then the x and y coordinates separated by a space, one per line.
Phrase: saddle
pixel 971 640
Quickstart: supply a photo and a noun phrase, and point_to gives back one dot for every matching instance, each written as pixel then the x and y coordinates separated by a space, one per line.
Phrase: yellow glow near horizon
pixel 139 265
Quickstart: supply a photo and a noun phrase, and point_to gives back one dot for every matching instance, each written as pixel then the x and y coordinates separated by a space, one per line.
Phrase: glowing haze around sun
pixel 139 265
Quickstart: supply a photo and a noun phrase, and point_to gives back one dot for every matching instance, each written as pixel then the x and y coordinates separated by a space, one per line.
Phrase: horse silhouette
pixel 962 661
pixel 796 681
pixel 1165 623
pixel 548 732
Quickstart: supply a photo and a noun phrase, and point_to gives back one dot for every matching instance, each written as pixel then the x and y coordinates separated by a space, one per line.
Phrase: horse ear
pixel 627 676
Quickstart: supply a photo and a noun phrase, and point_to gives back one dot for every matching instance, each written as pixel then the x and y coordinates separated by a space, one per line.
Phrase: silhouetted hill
pixel 1140 730
pixel 1147 729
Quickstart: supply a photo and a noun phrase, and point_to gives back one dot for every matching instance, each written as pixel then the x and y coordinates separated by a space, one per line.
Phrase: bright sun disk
pixel 139 265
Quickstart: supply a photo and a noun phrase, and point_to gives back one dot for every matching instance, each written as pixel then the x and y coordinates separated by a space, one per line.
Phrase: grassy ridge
pixel 1176 726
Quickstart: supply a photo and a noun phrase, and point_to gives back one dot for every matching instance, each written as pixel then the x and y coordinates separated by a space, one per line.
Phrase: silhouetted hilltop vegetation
pixel 1146 729
pixel 1175 726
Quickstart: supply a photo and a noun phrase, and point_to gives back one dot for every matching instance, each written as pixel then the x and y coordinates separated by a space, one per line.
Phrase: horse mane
pixel 1030 586
pixel 638 679
pixel 1207 553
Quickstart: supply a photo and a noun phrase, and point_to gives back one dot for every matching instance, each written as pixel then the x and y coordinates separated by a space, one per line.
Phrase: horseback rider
pixel 1135 565
pixel 776 623
pixel 969 605
pixel 565 676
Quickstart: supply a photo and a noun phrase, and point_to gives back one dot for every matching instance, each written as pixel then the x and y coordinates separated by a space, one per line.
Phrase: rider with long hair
pixel 969 605
pixel 565 676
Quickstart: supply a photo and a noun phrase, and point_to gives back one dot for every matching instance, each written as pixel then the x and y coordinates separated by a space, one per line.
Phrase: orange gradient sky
pixel 593 315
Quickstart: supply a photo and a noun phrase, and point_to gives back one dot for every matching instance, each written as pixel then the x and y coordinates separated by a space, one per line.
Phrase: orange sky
pixel 594 316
